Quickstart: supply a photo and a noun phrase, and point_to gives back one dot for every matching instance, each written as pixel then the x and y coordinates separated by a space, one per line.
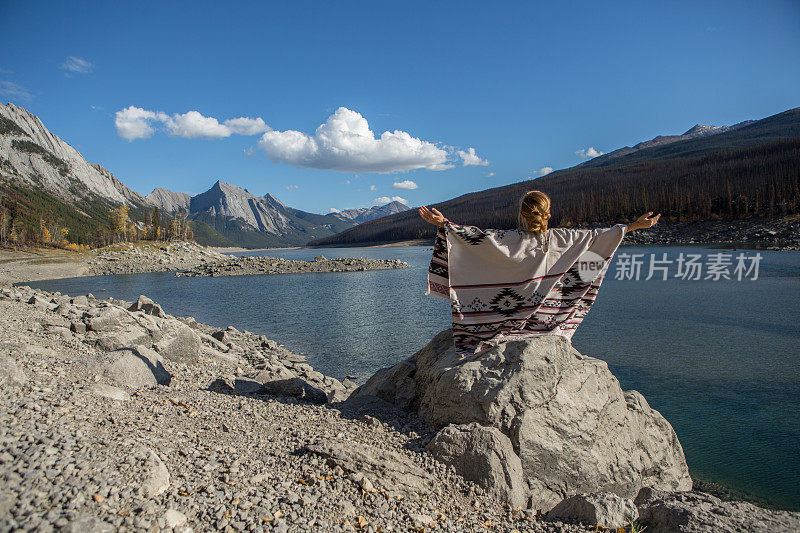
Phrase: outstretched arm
pixel 645 221
pixel 432 216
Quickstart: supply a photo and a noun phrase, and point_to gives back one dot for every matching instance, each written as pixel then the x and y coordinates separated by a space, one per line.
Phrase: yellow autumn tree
pixel 46 238
pixel 121 221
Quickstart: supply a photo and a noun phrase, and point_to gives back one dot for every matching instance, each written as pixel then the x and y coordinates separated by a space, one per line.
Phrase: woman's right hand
pixel 432 216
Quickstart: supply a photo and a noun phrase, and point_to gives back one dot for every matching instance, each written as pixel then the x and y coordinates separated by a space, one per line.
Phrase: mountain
pixel 34 157
pixel 698 130
pixel 227 215
pixel 775 128
pixel 749 170
pixel 364 214
pixel 168 201
pixel 46 183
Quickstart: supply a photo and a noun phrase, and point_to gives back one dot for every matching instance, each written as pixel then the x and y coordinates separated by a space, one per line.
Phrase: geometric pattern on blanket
pixel 554 300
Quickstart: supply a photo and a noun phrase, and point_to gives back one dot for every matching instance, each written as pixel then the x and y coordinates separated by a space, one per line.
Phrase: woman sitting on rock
pixel 511 284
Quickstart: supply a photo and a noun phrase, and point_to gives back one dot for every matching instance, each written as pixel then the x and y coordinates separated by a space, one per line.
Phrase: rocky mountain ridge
pixel 225 204
pixel 363 214
pixel 34 156
pixel 696 131
pixel 263 213
pixel 240 218
pixel 168 201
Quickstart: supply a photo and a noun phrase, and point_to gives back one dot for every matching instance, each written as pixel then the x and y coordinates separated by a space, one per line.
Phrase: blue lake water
pixel 719 359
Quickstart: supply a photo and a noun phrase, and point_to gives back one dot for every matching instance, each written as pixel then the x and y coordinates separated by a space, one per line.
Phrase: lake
pixel 719 359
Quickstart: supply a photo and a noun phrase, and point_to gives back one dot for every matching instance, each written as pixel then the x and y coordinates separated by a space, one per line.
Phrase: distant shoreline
pixel 35 264
pixel 778 235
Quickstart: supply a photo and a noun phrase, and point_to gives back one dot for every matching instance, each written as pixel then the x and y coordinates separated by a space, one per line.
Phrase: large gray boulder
pixel 108 318
pixel 698 512
pixel 177 342
pixel 80 301
pixel 113 327
pixel 484 455
pixel 573 427
pixel 136 367
pixel 598 509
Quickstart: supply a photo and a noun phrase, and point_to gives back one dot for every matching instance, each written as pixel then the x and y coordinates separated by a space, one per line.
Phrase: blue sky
pixel 525 84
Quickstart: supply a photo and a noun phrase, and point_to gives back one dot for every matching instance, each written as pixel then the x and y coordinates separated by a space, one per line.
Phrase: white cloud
pixel 471 159
pixel 405 184
pixel 381 200
pixel 13 90
pixel 490 174
pixel 137 123
pixel 373 188
pixel 247 125
pixel 77 65
pixel 291 187
pixel 542 172
pixel 192 125
pixel 588 153
pixel 345 143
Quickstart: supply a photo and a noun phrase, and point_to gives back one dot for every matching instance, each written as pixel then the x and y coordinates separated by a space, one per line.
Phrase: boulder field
pixel 538 424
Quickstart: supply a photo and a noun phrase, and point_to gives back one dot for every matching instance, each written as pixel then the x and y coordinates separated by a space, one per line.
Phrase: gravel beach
pixel 85 447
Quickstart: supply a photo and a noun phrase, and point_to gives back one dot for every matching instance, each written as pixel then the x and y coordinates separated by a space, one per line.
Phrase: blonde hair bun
pixel 534 212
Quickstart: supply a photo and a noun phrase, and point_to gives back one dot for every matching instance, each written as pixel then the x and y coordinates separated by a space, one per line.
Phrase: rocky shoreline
pixel 116 416
pixel 187 259
pixel 114 419
pixel 774 234
pixel 251 265
pixel 151 257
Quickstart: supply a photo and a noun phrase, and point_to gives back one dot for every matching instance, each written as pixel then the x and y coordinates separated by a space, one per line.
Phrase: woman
pixel 511 284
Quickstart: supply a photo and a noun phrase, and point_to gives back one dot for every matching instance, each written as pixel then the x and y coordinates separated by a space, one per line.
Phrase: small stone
pixel 110 392
pixel 174 518
pixel 366 485
pixel 11 375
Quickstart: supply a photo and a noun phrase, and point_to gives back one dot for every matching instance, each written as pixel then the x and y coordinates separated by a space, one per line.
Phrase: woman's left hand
pixel 432 216
pixel 645 221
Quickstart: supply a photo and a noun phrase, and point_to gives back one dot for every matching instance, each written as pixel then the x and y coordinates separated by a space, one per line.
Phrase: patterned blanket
pixel 509 284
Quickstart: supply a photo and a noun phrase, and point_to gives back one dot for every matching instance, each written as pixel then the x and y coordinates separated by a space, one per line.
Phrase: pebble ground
pixel 74 461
